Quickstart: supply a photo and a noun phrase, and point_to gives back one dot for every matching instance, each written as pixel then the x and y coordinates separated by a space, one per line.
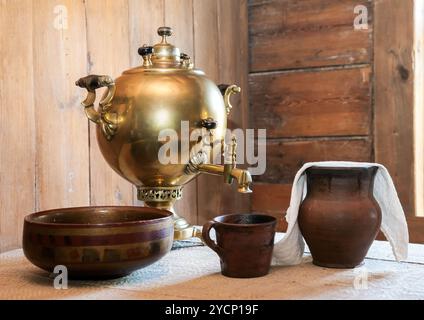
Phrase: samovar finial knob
pixel 165 32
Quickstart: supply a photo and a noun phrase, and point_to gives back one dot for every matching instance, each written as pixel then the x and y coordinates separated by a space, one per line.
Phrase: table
pixel 194 273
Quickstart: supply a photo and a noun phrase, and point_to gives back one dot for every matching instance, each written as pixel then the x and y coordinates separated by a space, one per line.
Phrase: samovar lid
pixel 164 54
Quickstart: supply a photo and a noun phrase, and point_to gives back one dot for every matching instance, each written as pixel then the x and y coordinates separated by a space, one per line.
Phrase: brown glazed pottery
pixel 244 243
pixel 339 217
pixel 97 242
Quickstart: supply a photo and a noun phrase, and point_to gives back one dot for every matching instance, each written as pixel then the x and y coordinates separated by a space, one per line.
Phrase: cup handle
pixel 206 238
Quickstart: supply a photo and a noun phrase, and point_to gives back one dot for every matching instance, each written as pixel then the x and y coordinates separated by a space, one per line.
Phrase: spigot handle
pixel 230 160
pixel 234 151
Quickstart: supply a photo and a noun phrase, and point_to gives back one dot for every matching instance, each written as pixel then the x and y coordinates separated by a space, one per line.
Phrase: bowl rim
pixel 166 214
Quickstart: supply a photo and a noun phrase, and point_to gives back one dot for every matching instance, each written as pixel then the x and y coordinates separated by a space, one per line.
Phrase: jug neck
pixel 330 182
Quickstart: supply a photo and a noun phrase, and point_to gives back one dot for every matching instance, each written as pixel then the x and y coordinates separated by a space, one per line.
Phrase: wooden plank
pixel 416 229
pixel 179 16
pixel 233 68
pixel 394 95
pixel 284 157
pixel 62 134
pixel 214 196
pixel 145 17
pixel 108 52
pixel 187 206
pixel 231 65
pixel 17 132
pixel 272 199
pixel 286 34
pixel 419 106
pixel 312 103
pixel 206 38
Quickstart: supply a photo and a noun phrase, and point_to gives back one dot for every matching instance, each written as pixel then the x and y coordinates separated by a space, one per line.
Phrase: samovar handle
pixel 107 121
pixel 227 91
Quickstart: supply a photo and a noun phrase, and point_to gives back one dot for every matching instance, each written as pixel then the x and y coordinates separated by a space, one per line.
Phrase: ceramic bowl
pixel 97 242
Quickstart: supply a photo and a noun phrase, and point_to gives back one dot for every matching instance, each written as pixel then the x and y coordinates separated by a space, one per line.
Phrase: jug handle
pixel 227 91
pixel 206 238
pixel 107 121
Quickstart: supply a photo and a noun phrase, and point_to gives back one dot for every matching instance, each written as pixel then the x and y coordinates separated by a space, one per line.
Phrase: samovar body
pixel 157 125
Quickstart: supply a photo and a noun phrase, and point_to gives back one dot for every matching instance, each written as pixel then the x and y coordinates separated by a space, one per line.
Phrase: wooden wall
pixel 394 94
pixel 311 87
pixel 48 153
pixel 327 91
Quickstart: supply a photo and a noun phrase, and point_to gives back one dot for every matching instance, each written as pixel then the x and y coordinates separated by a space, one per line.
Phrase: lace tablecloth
pixel 194 273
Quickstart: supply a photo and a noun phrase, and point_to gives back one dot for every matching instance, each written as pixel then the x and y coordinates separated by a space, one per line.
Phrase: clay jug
pixel 339 218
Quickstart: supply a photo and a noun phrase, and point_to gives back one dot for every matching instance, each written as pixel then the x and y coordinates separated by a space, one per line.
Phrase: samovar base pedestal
pixel 183 230
pixel 164 198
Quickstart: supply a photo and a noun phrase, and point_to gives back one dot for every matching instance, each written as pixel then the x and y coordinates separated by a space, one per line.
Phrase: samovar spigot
pixel 229 170
pixel 244 179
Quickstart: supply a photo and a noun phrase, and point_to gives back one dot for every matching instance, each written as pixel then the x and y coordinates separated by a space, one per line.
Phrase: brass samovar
pixel 158 95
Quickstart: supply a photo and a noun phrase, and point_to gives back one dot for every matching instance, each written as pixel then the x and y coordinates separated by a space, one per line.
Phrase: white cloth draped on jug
pixel 290 249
